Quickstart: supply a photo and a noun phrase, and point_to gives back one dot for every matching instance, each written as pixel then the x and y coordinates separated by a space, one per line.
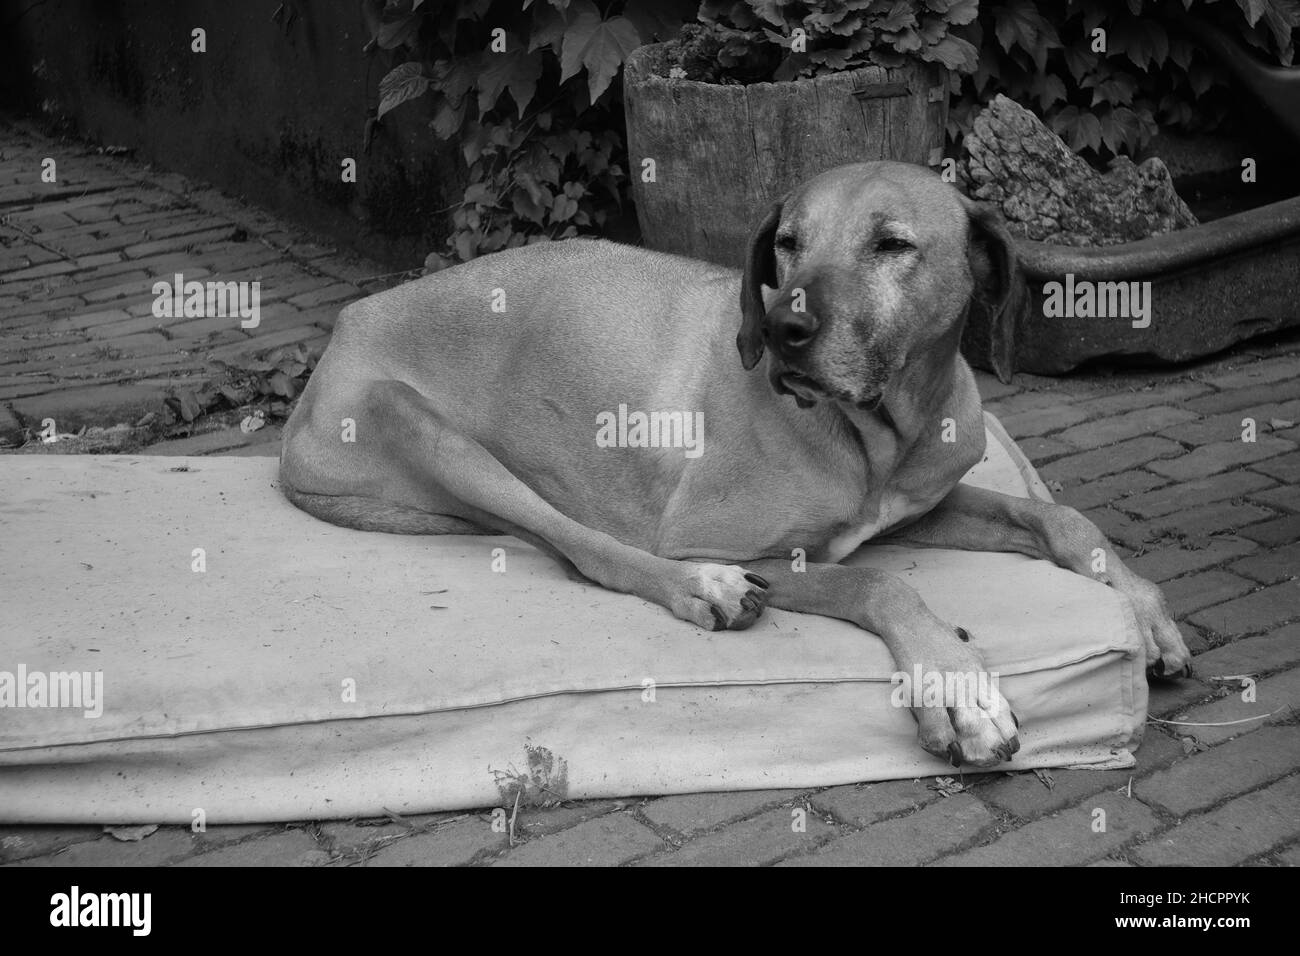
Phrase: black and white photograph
pixel 651 433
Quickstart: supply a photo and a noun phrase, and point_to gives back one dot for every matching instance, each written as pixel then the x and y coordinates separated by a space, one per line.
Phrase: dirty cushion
pixel 260 665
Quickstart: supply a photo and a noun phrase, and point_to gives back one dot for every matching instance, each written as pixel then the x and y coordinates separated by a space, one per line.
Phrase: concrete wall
pixel 260 114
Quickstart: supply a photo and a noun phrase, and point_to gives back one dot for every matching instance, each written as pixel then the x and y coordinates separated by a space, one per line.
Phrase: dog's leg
pixel 413 437
pixel 974 519
pixel 981 731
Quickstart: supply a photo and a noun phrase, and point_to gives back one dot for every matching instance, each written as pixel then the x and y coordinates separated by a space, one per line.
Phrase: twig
pixel 513 815
pixel 1220 723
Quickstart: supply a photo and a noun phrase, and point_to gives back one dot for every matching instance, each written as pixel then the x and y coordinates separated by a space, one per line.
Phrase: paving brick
pixel 1204 779
pixel 1108 490
pixel 1164 393
pixel 910 840
pixel 1026 796
pixel 290 848
pixel 1119 528
pixel 1088 465
pixel 860 804
pixel 1286 468
pixel 1171 498
pixel 1040 421
pixel 1237 831
pixel 1066 838
pixel 176 243
pixel 761 840
pixel 1165 698
pixel 1197 591
pixel 1170 562
pixel 1276 699
pixel 605 841
pixel 1107 431
pixel 354 839
pixel 225 834
pixel 162 847
pixel 1039 449
pixel 452 844
pixel 1236 398
pixel 1228 427
pixel 1215 518
pixel 25 842
pixel 1276 650
pixel 1221 456
pixel 693 812
pixel 1256 373
pixel 1285 498
pixel 91 404
pixel 340 292
pixel 539 821
pixel 1279 531
pixel 1270 567
pixel 1026 401
pixel 1253 613
pixel 990 388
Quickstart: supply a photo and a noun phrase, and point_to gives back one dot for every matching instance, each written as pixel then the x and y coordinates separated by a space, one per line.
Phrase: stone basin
pixel 1210 286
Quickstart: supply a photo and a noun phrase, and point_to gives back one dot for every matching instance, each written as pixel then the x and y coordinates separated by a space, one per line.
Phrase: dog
pixel 475 394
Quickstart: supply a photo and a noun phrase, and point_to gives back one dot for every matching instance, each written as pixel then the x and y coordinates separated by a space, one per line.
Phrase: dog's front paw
pixel 720 596
pixel 1167 654
pixel 961 714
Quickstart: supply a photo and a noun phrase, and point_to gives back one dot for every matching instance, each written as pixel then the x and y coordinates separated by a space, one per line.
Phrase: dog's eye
pixel 787 242
pixel 894 244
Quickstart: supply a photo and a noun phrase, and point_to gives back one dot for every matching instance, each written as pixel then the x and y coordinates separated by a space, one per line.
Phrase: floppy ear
pixel 760 270
pixel 1000 294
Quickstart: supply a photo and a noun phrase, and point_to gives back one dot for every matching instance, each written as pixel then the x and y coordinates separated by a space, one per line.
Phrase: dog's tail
pixel 374 514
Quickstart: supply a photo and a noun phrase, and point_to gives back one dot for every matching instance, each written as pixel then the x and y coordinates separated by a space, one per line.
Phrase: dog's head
pixel 876 264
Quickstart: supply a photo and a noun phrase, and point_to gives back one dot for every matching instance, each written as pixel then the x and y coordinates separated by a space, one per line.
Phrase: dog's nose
pixel 787 330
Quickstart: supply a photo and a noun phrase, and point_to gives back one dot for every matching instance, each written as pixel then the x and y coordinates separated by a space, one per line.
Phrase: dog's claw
pixel 756 580
pixel 954 754
pixel 749 604
pixel 1015 720
pixel 718 619
pixel 963 634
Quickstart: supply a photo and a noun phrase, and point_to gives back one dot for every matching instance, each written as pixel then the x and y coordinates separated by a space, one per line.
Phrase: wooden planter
pixel 723 153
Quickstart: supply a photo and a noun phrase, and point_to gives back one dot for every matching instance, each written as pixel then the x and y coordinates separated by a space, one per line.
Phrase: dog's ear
pixel 1000 293
pixel 760 270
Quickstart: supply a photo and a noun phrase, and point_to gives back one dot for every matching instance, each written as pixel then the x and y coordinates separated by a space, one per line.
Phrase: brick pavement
pixel 79 342
pixel 1156 458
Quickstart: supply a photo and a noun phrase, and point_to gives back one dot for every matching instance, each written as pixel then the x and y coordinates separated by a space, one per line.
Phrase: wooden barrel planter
pixel 722 153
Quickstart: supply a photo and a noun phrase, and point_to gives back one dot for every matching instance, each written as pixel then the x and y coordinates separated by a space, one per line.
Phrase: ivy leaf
pixel 1120 127
pixel 659 20
pixel 517 70
pixel 1118 89
pixel 1144 41
pixel 548 29
pixel 400 84
pixel 960 12
pixel 1048 88
pixel 1253 9
pixel 599 45
pixel 398 29
pixel 1078 128
pixel 447 121
pixel 956 54
pixel 1020 24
